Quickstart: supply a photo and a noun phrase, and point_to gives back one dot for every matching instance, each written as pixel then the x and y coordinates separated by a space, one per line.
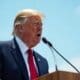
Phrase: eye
pixel 37 24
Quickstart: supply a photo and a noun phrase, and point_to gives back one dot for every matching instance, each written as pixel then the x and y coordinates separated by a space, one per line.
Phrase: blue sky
pixel 61 27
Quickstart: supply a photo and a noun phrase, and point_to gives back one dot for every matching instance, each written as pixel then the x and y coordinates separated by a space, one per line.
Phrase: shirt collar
pixel 21 44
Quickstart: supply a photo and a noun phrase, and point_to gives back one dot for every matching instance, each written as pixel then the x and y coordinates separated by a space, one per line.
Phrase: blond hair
pixel 22 16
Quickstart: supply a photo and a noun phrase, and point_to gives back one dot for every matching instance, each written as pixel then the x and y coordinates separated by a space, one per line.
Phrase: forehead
pixel 34 18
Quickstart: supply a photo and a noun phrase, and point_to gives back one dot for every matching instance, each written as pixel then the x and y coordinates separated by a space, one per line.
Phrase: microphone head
pixel 44 40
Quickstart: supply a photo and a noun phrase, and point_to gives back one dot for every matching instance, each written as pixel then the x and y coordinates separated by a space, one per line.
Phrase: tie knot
pixel 29 50
pixel 30 53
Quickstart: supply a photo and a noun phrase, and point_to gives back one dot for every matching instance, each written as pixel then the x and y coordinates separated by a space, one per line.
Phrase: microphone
pixel 51 46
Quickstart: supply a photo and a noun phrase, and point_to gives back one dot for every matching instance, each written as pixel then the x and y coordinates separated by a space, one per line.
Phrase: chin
pixel 34 45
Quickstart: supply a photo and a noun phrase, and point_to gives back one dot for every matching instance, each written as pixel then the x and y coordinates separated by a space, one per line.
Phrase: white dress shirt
pixel 23 49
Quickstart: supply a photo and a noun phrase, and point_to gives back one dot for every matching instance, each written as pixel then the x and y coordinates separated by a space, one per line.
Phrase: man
pixel 14 54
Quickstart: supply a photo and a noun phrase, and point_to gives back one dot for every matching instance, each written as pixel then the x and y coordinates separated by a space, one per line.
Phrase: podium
pixel 60 75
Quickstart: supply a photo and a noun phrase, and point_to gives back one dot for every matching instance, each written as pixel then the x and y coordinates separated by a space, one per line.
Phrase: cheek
pixel 30 31
pixel 29 34
pixel 27 30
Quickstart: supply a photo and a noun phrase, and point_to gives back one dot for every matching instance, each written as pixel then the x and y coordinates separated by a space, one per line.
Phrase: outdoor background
pixel 61 27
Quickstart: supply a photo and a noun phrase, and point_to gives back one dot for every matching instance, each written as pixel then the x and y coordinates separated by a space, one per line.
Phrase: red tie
pixel 33 71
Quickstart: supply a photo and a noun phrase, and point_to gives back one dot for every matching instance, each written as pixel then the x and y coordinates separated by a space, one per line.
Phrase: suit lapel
pixel 19 59
pixel 41 63
pixel 38 62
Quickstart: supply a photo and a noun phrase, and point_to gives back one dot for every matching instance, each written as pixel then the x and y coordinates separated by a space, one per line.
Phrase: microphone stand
pixel 65 59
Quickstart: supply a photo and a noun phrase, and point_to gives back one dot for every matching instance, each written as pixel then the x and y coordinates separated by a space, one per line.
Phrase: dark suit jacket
pixel 12 65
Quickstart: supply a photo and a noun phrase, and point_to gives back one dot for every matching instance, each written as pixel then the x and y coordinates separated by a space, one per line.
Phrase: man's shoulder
pixel 5 43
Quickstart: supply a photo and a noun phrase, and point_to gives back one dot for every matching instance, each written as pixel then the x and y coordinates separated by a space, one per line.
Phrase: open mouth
pixel 38 34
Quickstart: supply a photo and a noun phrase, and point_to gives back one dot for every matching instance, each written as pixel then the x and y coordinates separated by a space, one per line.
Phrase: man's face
pixel 32 31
